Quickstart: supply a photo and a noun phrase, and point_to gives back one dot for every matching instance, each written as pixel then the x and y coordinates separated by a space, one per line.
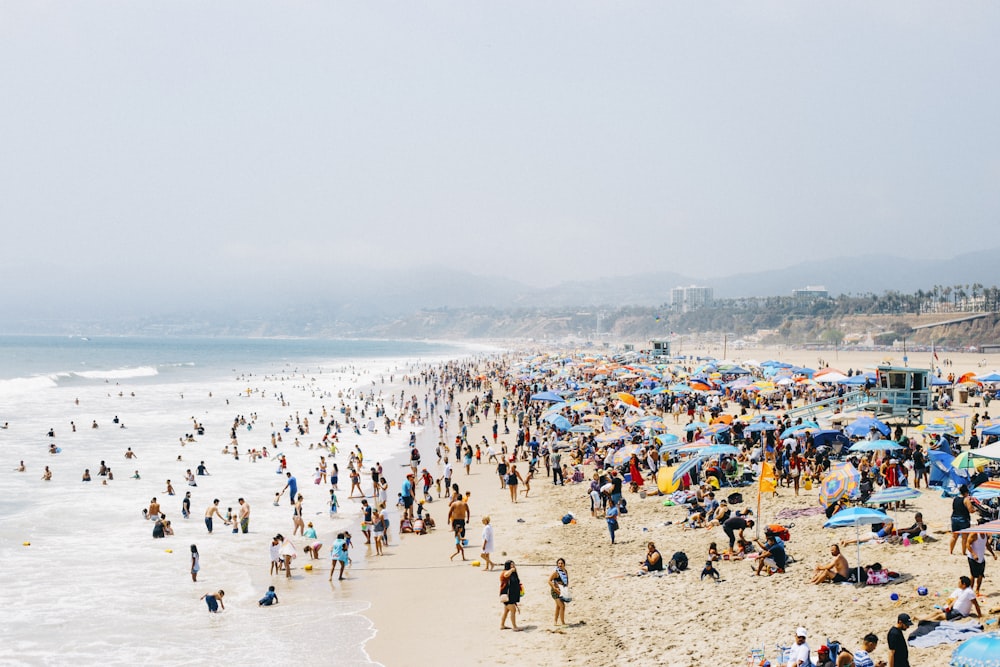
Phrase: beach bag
pixel 779 531
pixel 735 498
pixel 565 595
pixel 680 561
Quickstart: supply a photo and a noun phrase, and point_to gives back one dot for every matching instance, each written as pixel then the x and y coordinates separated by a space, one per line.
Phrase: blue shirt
pixel 407 489
pixel 293 486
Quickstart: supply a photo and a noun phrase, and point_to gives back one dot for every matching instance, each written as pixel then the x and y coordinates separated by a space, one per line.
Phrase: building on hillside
pixel 810 293
pixel 690 298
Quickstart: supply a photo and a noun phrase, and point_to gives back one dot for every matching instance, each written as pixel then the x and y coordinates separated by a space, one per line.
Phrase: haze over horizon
pixel 155 153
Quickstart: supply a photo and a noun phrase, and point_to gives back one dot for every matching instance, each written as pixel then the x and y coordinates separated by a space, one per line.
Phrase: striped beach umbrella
pixel 842 481
pixel 685 468
pixel 893 494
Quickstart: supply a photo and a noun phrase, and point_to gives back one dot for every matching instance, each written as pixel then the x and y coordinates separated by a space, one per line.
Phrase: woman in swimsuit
pixel 558 582
pixel 299 525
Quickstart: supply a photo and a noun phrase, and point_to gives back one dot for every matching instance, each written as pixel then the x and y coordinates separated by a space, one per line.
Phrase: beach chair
pixel 783 654
pixel 756 657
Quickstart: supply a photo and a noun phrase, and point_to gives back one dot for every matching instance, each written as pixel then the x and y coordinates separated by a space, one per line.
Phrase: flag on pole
pixel 768 482
pixel 934 352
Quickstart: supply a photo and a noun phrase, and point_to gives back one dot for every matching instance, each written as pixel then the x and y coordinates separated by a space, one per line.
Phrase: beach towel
pixel 932 633
pixel 790 513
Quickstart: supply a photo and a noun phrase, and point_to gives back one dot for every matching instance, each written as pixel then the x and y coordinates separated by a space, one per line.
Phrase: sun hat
pixel 801 632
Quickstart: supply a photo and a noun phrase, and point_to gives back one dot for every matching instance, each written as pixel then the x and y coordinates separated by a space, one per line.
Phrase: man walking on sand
pixel 458 515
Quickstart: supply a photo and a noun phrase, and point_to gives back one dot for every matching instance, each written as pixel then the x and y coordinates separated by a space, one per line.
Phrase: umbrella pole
pixel 857 534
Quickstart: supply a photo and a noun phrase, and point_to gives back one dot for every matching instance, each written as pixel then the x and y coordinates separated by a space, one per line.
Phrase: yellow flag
pixel 768 482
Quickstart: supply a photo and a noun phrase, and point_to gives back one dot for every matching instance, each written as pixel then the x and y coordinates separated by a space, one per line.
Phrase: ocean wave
pixel 17 386
pixel 119 373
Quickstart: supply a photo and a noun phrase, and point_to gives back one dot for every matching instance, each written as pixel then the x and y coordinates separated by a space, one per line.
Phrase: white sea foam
pixel 119 373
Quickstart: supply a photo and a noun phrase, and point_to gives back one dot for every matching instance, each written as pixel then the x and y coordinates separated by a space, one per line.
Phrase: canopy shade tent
pixel 547 396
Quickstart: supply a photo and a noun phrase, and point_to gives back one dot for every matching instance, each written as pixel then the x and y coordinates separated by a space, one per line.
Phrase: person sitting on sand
pixel 837 570
pixel 710 571
pixel 772 556
pixel 653 562
pixel 960 603
pixel 919 528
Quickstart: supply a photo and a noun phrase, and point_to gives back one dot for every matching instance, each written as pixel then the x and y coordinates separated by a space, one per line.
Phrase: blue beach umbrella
pixel 857 517
pixel 875 446
pixel 863 425
pixel 893 494
pixel 981 651
pixel 715 429
pixel 718 450
pixel 761 426
pixel 685 467
pixel 547 396
pixel 694 426
pixel 559 422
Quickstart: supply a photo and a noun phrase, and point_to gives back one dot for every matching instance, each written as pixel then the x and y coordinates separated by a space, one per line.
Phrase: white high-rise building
pixel 691 297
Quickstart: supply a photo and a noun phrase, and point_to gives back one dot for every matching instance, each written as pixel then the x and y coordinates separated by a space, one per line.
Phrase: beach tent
pixel 991 430
pixel 988 452
pixel 828 437
pixel 939 382
pixel 989 377
pixel 857 517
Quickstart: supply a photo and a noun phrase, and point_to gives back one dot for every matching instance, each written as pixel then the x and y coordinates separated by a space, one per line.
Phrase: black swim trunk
pixel 953 615
pixel 407 502
pixel 458 526
pixel 959 523
pixel 977 569
pixel 838 578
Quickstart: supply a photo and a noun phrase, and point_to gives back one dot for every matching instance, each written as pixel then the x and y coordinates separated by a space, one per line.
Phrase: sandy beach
pixel 423 600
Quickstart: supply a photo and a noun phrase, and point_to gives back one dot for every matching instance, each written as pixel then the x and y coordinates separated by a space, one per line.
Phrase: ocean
pixel 87 583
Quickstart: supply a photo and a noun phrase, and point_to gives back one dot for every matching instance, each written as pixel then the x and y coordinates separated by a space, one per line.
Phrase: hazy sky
pixel 211 143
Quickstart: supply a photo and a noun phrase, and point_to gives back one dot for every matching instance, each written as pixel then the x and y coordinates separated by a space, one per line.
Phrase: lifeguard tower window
pixel 897 380
pixel 660 348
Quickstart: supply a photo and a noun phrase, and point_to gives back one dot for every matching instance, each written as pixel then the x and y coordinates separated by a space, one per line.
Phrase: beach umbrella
pixel 761 426
pixel 987 452
pixel 939 426
pixel 792 430
pixel 842 480
pixel 685 468
pixel 694 426
pixel 547 396
pixel 718 450
pixel 989 377
pixel 875 446
pixel 715 429
pixel 559 422
pixel 986 494
pixel 893 494
pixel 990 528
pixel 612 435
pixel 991 430
pixel 857 517
pixel 863 425
pixel 628 399
pixel 581 428
pixel 981 651
pixel 621 456
pixel 967 460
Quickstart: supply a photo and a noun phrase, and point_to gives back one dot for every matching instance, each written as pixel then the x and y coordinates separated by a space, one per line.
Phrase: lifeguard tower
pixel 659 348
pixel 901 393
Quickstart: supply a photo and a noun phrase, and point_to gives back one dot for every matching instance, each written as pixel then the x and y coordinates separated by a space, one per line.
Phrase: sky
pixel 180 148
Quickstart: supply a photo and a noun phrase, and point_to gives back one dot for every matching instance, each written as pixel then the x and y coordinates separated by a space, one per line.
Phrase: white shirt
pixel 800 655
pixel 963 600
pixel 488 539
pixel 977 548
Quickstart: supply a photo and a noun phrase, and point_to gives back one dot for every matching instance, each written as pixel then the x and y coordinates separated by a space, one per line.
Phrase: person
pixel 611 516
pixel 836 570
pixel 297 523
pixel 919 528
pixel 366 520
pixel 287 554
pixel 408 491
pixel 214 601
pixel 799 655
pixel 195 562
pixel 459 547
pixel 961 518
pixel 202 470
pixel 487 543
pixel 978 546
pixel 292 486
pixel 335 504
pixel 862 657
pixel 823 658
pixel 653 562
pixel 270 598
pixel 772 556
pixel 47 475
pixel 559 585
pixel 710 571
pixel 513 478
pixel 510 595
pixel 734 524
pixel 186 505
pixel 338 554
pixel 899 652
pixel 960 603
pixel 213 510
pixel 86 475
pixel 275 552
pixel 170 488
pixel 244 515
pixel 458 515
